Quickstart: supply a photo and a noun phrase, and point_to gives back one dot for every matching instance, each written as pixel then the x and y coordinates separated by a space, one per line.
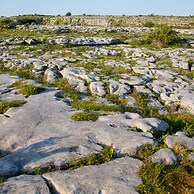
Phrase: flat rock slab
pixel 40 133
pixel 25 184
pixel 182 138
pixel 118 176
pixel 134 120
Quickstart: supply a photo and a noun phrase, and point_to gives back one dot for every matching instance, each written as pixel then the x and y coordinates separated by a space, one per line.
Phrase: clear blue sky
pixel 97 7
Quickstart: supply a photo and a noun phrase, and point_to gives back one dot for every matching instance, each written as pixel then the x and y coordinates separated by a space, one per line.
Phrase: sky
pixel 97 7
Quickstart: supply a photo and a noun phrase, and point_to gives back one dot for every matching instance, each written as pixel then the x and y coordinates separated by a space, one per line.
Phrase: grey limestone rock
pixel 134 120
pixel 164 156
pixel 25 184
pixel 180 137
pixel 97 88
pixel 118 88
pixel 118 176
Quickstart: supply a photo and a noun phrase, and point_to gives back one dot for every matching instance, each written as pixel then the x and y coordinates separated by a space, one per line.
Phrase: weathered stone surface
pixel 118 176
pixel 41 133
pixel 25 184
pixel 52 74
pixel 117 88
pixel 136 121
pixel 164 156
pixel 97 88
pixel 180 137
pixel 8 168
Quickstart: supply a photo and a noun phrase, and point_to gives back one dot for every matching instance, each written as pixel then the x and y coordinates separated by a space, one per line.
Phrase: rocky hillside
pixel 124 21
pixel 89 110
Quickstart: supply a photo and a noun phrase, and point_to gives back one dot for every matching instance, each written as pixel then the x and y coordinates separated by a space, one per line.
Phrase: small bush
pixel 84 116
pixel 7 23
pixel 68 14
pixel 4 106
pixel 149 24
pixel 162 36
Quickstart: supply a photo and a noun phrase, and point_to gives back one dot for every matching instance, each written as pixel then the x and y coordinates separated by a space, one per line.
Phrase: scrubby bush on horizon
pixel 68 14
pixel 162 36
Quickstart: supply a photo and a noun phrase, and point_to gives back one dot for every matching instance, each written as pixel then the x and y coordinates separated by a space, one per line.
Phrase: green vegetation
pixel 11 22
pixel 69 91
pixel 5 105
pixel 26 89
pixel 105 155
pixel 149 24
pixel 144 109
pixel 146 150
pixel 68 14
pixel 93 106
pixel 2 180
pixel 84 116
pixel 177 121
pixel 162 36
pixel 165 179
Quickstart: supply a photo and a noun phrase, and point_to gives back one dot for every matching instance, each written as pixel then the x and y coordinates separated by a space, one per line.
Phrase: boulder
pixel 164 156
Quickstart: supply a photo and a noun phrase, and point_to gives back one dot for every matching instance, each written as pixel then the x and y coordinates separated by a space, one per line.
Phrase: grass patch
pixel 103 156
pixel 146 150
pixel 4 106
pixel 93 106
pixel 84 116
pixel 144 109
pixel 177 121
pixel 28 90
pixel 180 122
pixel 69 91
pixel 165 179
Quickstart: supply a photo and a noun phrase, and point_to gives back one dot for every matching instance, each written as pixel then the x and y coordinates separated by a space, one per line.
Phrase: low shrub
pixel 162 36
pixel 149 24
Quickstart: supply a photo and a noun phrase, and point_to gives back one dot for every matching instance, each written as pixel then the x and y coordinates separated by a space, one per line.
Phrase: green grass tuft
pixel 84 116
pixel 165 179
pixel 4 106
pixel 28 90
